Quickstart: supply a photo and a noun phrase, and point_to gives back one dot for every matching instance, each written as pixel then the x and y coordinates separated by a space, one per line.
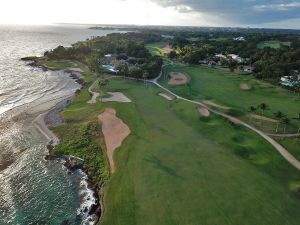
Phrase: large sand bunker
pixel 168 97
pixel 166 48
pixel 116 97
pixel 114 131
pixel 178 78
pixel 245 86
pixel 204 112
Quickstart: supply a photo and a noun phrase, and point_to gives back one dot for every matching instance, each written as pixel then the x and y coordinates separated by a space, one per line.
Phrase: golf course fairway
pixel 178 167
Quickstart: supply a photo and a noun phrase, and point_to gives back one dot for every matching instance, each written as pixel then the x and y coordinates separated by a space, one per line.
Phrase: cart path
pixel 283 151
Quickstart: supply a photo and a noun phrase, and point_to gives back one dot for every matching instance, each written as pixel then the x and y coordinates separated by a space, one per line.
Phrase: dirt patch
pixel 211 103
pixel 114 131
pixel 169 98
pixel 204 111
pixel 116 97
pixel 178 78
pixel 245 86
pixel 167 49
pixel 264 118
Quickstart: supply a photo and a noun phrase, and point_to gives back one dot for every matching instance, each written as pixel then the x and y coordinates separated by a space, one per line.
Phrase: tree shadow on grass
pixel 161 166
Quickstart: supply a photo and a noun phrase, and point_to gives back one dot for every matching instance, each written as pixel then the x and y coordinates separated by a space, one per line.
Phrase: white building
pixel 239 39
pixel 236 58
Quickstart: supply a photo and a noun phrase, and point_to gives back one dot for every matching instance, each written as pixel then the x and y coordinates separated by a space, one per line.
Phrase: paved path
pixel 94 94
pixel 284 135
pixel 284 152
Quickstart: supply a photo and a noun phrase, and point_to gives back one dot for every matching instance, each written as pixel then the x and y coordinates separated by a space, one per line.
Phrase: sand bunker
pixel 204 111
pixel 169 98
pixel 116 97
pixel 211 103
pixel 167 49
pixel 264 118
pixel 114 131
pixel 245 86
pixel 76 69
pixel 178 78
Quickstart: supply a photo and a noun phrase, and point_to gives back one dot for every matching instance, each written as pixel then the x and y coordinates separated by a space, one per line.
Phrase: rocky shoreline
pixel 73 164
pixel 34 62
pixel 52 118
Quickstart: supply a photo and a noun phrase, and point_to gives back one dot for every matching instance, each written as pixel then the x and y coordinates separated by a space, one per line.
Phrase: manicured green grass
pixel 224 88
pixel 292 144
pixel 273 44
pixel 156 49
pixel 179 168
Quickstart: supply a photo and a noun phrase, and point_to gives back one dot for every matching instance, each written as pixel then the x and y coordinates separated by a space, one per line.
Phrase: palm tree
pixel 102 84
pixel 263 107
pixel 285 121
pixel 298 119
pixel 278 115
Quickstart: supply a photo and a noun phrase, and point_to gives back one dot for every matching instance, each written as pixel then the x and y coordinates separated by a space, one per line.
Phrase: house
pixel 220 56
pixel 290 81
pixel 239 39
pixel 235 57
pixel 203 61
pixel 211 63
pixel 109 58
pixel 248 69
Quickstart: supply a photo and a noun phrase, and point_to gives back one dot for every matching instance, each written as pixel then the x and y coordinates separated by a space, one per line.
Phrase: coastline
pixel 91 195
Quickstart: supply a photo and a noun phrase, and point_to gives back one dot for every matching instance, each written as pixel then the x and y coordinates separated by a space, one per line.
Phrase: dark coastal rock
pixel 29 58
pixel 73 163
pixel 93 209
pixel 65 222
pixel 76 76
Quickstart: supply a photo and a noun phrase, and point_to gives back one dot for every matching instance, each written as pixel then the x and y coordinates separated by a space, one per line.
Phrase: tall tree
pixel 278 115
pixel 263 107
pixel 102 84
pixel 298 119
pixel 285 121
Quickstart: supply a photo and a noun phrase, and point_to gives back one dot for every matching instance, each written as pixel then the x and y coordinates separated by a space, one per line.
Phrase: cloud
pixel 244 12
pixel 277 7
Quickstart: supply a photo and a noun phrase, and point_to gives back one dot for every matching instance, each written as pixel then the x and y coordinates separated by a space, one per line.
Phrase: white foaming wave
pixel 20 102
pixel 88 199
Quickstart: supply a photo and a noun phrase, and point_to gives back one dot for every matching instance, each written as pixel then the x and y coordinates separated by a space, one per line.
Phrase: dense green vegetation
pixel 81 135
pixel 127 53
pixel 179 168
pixel 83 140
pixel 271 60
pixel 273 44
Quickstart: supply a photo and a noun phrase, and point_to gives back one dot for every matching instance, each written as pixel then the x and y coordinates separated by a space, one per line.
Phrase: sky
pixel 241 13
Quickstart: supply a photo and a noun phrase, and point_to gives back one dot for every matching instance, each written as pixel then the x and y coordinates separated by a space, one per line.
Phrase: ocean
pixel 33 190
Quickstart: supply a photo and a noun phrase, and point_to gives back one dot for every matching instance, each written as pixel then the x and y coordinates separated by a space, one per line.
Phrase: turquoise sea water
pixel 32 190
